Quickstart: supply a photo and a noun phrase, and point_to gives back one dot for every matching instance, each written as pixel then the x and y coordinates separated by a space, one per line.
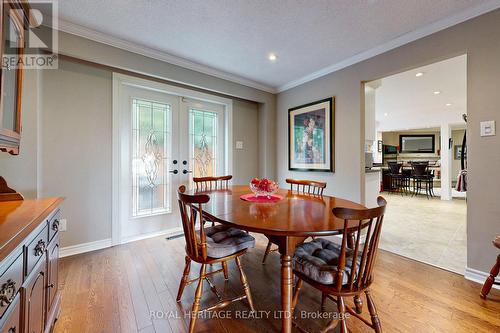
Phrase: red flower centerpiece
pixel 263 187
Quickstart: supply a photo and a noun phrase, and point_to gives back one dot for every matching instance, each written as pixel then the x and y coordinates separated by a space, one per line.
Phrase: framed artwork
pixel 311 139
pixel 458 152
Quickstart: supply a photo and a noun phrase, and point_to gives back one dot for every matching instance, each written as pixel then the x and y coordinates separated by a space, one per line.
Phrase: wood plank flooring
pixel 132 288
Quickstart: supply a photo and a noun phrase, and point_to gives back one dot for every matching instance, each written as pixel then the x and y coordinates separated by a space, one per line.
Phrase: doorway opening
pixel 415 156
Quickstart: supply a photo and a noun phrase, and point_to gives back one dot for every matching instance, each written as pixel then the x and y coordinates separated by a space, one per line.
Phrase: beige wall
pixel 479 38
pixel 76 142
pixel 21 171
pixel 246 129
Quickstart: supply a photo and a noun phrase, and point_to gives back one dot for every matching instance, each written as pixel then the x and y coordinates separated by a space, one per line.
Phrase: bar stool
pixel 422 176
pixel 399 181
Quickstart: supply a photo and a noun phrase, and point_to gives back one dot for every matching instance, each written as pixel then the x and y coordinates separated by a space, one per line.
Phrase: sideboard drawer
pixel 35 250
pixel 54 224
pixel 11 322
pixel 11 280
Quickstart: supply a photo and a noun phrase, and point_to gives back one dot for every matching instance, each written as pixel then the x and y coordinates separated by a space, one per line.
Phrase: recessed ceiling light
pixel 386 114
pixel 437 92
pixel 272 57
pixel 448 104
pixel 419 74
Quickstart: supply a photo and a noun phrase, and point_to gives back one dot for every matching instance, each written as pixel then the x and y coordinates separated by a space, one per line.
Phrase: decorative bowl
pixel 263 187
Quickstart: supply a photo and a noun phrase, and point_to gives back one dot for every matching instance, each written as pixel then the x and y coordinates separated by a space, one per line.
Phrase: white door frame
pixel 120 80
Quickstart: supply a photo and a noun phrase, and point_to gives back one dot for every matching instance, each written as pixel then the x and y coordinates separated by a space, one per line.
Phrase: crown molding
pixel 103 38
pixel 397 42
pixel 409 37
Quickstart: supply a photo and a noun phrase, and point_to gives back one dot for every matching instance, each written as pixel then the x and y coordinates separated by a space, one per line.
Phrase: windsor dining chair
pixel 338 271
pixel 308 187
pixel 215 244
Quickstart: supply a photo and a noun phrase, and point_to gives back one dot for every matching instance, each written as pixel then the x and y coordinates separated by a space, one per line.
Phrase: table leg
pixel 286 292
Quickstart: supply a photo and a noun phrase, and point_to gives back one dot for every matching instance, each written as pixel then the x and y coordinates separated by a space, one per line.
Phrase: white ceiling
pixel 232 38
pixel 410 102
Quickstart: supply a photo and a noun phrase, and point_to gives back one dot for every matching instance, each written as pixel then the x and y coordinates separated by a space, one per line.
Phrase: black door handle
pixel 186 171
pixel 174 171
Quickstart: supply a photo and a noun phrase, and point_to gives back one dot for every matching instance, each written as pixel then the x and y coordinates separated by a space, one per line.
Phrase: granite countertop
pixel 373 170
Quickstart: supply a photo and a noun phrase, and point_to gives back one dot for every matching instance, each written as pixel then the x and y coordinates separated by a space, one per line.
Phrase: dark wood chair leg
pixel 197 298
pixel 358 303
pixel 244 282
pixel 225 270
pixel 295 296
pixel 373 312
pixel 323 301
pixel 491 279
pixel 340 320
pixel 342 316
pixel 185 278
pixel 268 249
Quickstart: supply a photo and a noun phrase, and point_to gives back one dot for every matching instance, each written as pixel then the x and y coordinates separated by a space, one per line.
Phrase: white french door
pixel 205 143
pixel 162 141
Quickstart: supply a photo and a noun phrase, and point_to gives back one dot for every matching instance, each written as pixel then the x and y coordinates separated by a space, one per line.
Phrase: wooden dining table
pixel 287 223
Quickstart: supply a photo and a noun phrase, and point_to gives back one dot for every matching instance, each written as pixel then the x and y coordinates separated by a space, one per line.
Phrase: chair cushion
pixel 223 241
pixel 318 261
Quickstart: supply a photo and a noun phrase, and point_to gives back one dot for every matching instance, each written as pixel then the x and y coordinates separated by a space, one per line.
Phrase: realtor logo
pixel 30 35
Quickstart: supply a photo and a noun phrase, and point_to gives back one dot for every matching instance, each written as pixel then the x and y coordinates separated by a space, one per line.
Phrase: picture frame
pixel 311 136
pixel 458 152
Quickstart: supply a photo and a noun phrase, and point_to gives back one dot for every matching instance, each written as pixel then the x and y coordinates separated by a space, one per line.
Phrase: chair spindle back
pixel 191 208
pixel 211 183
pixel 420 169
pixel 361 272
pixel 307 186
pixel 395 168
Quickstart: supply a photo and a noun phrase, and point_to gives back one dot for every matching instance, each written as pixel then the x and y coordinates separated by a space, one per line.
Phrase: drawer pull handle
pixel 12 330
pixel 55 225
pixel 7 292
pixel 40 248
pixel 51 285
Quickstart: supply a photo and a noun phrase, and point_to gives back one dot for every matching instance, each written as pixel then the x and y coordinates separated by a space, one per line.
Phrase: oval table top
pixel 295 215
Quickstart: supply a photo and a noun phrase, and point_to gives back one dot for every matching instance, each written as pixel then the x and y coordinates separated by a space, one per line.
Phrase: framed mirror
pixel 12 46
pixel 417 143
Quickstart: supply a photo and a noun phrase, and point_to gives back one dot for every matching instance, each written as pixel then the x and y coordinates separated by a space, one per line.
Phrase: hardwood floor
pixel 132 288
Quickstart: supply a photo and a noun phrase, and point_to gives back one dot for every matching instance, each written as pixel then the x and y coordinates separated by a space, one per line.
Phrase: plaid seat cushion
pixel 318 260
pixel 223 241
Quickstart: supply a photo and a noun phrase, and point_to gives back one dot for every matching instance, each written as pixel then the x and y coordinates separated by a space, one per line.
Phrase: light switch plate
pixel 488 128
pixel 239 144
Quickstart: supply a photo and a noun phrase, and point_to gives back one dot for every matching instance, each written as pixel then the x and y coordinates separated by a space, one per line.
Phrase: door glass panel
pixel 151 147
pixel 203 142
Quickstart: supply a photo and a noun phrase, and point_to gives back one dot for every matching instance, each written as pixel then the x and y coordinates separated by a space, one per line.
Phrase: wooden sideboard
pixel 29 255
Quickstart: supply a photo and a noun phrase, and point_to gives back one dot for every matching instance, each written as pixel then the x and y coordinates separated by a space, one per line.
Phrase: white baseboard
pixel 85 247
pixel 105 243
pixel 478 276
pixel 167 233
